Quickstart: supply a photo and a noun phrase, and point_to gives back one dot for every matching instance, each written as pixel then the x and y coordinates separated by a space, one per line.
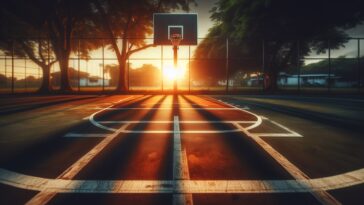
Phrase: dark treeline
pixel 46 31
pixel 288 30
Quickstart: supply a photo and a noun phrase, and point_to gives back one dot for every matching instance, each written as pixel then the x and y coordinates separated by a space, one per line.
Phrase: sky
pixel 202 9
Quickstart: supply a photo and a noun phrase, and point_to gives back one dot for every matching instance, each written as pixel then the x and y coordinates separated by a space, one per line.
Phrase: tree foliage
pixel 37 27
pixel 43 30
pixel 280 24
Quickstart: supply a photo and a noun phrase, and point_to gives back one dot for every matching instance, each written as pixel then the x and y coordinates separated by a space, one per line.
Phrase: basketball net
pixel 175 39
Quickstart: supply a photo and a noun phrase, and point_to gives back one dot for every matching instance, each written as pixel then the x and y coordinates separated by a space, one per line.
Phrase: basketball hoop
pixel 169 29
pixel 175 39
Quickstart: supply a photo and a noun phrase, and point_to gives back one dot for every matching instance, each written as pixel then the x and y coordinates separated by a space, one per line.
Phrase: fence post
pixel 49 63
pixel 298 67
pixel 86 72
pixel 25 74
pixel 329 75
pixel 12 67
pixel 263 64
pixel 227 65
pixel 162 79
pixel 38 71
pixel 128 70
pixel 78 65
pixel 6 77
pixel 359 73
pixel 189 69
pixel 103 67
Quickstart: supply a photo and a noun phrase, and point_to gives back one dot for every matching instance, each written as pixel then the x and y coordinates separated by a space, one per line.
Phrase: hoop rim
pixel 175 39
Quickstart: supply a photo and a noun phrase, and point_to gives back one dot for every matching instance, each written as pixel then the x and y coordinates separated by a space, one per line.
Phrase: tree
pixel 139 79
pixel 38 27
pixel 3 80
pixel 63 20
pixel 127 23
pixel 14 41
pixel 280 23
pixel 113 71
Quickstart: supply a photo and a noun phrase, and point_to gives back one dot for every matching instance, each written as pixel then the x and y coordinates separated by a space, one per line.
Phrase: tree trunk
pixel 272 76
pixel 65 83
pixel 45 86
pixel 123 77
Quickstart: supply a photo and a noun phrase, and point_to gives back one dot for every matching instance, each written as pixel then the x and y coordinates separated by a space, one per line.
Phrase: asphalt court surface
pixel 171 149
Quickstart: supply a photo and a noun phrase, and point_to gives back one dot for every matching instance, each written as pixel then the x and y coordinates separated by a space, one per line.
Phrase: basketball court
pixel 160 149
pixel 177 148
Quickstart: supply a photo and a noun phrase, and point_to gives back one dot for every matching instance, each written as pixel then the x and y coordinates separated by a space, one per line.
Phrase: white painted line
pixel 95 123
pixel 321 195
pixel 160 108
pixel 256 124
pixel 180 167
pixel 71 134
pixel 276 135
pixel 27 182
pixel 153 132
pixel 183 131
pixel 240 106
pixel 170 121
pixel 285 128
pixel 45 195
pixel 168 104
pixel 180 170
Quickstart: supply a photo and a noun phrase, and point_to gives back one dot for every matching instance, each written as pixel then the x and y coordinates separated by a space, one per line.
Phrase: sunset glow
pixel 171 73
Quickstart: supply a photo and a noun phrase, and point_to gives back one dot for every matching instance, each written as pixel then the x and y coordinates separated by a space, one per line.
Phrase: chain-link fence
pixel 231 65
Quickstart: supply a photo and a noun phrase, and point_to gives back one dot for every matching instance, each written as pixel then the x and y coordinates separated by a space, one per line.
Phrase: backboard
pixel 167 24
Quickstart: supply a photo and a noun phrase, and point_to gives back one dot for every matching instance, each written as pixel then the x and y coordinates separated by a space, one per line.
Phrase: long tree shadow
pixel 261 164
pixel 114 163
pixel 50 155
pixel 88 100
pixel 267 163
pixel 32 106
pixel 117 161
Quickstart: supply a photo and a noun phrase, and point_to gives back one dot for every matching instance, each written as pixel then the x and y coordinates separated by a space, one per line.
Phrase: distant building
pixel 223 82
pixel 94 81
pixel 241 79
pixel 85 79
pixel 285 79
pixel 253 79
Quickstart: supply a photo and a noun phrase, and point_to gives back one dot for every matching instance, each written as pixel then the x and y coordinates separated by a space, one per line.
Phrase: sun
pixel 170 73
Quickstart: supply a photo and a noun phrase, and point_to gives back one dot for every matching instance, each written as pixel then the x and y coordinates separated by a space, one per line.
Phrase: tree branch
pixel 139 49
pixel 108 28
pixel 130 47
pixel 52 62
pixel 30 54
pixel 288 56
pixel 40 51
pixel 125 31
